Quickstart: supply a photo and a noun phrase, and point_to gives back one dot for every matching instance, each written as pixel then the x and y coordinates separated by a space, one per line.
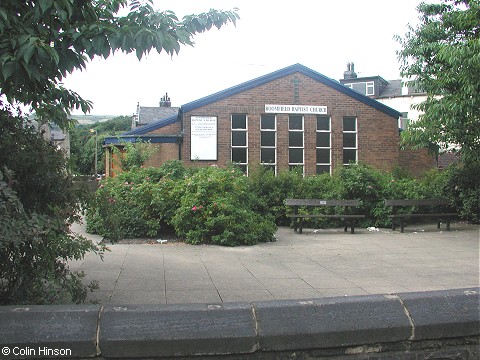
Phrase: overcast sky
pixel 321 34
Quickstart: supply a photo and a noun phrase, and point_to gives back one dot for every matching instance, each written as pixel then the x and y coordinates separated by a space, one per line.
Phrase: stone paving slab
pixel 318 263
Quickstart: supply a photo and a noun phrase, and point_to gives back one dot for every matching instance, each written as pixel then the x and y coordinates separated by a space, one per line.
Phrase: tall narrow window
pixel 323 144
pixel 240 141
pixel 268 141
pixel 350 143
pixel 295 142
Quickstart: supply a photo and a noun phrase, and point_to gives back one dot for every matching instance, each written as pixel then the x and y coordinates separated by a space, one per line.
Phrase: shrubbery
pixel 205 205
pixel 38 203
pixel 218 207
pixel 222 206
pixel 137 203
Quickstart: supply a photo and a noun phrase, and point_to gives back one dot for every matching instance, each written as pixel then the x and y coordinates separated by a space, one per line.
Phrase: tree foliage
pixel 42 41
pixel 82 143
pixel 133 155
pixel 442 57
pixel 38 203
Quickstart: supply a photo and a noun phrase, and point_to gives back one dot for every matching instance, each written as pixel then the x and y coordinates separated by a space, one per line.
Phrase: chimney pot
pixel 165 101
pixel 350 73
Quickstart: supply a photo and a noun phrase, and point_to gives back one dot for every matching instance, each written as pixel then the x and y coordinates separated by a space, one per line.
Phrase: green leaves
pixel 442 56
pixel 52 38
pixel 38 203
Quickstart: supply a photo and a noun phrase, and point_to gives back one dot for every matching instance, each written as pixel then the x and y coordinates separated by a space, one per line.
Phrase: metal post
pixel 96 145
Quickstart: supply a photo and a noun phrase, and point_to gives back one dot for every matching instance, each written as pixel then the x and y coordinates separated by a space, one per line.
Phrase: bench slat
pixel 422 215
pixel 416 202
pixel 318 202
pixel 326 216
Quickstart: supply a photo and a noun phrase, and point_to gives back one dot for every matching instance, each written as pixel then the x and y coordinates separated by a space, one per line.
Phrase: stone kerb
pixel 177 330
pixel 32 331
pixel 341 325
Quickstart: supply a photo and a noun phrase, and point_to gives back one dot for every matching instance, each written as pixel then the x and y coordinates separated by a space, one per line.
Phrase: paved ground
pixel 318 263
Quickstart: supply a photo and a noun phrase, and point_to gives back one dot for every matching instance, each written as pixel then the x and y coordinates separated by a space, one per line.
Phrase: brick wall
pixel 164 152
pixel 172 129
pixel 416 162
pixel 377 132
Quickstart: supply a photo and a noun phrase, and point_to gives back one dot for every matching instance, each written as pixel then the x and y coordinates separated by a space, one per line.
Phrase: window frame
pixel 329 131
pixel 368 85
pixel 356 139
pixel 274 147
pixel 293 165
pixel 242 165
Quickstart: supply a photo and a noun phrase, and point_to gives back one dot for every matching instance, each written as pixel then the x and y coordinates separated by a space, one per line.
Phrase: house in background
pixel 398 95
pixel 59 138
pixel 291 118
pixel 393 93
pixel 146 115
pixel 56 136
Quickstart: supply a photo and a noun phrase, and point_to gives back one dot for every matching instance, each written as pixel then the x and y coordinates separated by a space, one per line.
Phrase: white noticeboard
pixel 203 138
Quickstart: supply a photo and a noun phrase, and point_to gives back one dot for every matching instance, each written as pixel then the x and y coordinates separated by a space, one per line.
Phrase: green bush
pixel 38 203
pixel 136 203
pixel 211 205
pixel 461 184
pixel 218 207
pixel 271 191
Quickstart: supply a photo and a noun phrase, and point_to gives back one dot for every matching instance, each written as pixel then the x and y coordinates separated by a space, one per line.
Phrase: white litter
pixel 162 241
pixel 373 228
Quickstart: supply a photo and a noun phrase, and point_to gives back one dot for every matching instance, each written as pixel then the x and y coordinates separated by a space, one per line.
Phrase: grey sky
pixel 322 35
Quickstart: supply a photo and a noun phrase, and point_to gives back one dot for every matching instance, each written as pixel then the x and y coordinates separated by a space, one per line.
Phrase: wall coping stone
pixel 156 331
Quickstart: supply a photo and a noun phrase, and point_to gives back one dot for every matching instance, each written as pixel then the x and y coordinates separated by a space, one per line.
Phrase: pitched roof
pixel 147 115
pixel 161 122
pixel 153 125
pixel 285 72
pixel 394 88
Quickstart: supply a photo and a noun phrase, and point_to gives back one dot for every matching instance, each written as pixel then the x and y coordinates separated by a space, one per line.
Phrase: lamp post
pixel 96 142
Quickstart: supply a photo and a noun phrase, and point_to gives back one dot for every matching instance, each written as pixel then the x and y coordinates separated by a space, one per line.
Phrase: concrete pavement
pixel 318 263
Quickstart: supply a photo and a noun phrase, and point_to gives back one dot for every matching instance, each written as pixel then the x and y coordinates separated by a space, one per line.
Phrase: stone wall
pixel 425 325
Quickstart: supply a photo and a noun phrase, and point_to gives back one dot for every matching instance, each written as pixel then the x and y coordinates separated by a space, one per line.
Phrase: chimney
pixel 135 117
pixel 350 73
pixel 165 101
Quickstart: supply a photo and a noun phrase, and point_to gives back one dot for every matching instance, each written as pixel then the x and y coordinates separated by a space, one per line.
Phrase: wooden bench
pixel 349 218
pixel 433 204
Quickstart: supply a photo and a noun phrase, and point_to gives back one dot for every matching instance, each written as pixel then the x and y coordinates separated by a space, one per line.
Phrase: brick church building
pixel 291 118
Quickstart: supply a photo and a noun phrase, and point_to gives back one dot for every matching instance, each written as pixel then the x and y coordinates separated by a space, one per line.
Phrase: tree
pixel 133 155
pixel 82 143
pixel 41 41
pixel 442 57
pixel 38 203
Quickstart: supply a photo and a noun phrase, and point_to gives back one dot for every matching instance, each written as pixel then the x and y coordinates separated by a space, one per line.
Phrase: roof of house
pixel 140 130
pixel 147 114
pixel 392 89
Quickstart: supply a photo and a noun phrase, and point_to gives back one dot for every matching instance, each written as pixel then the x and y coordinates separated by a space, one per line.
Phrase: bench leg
pixel 300 228
pixel 295 224
pixel 347 224
pixel 448 224
pixel 393 224
pixel 402 225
